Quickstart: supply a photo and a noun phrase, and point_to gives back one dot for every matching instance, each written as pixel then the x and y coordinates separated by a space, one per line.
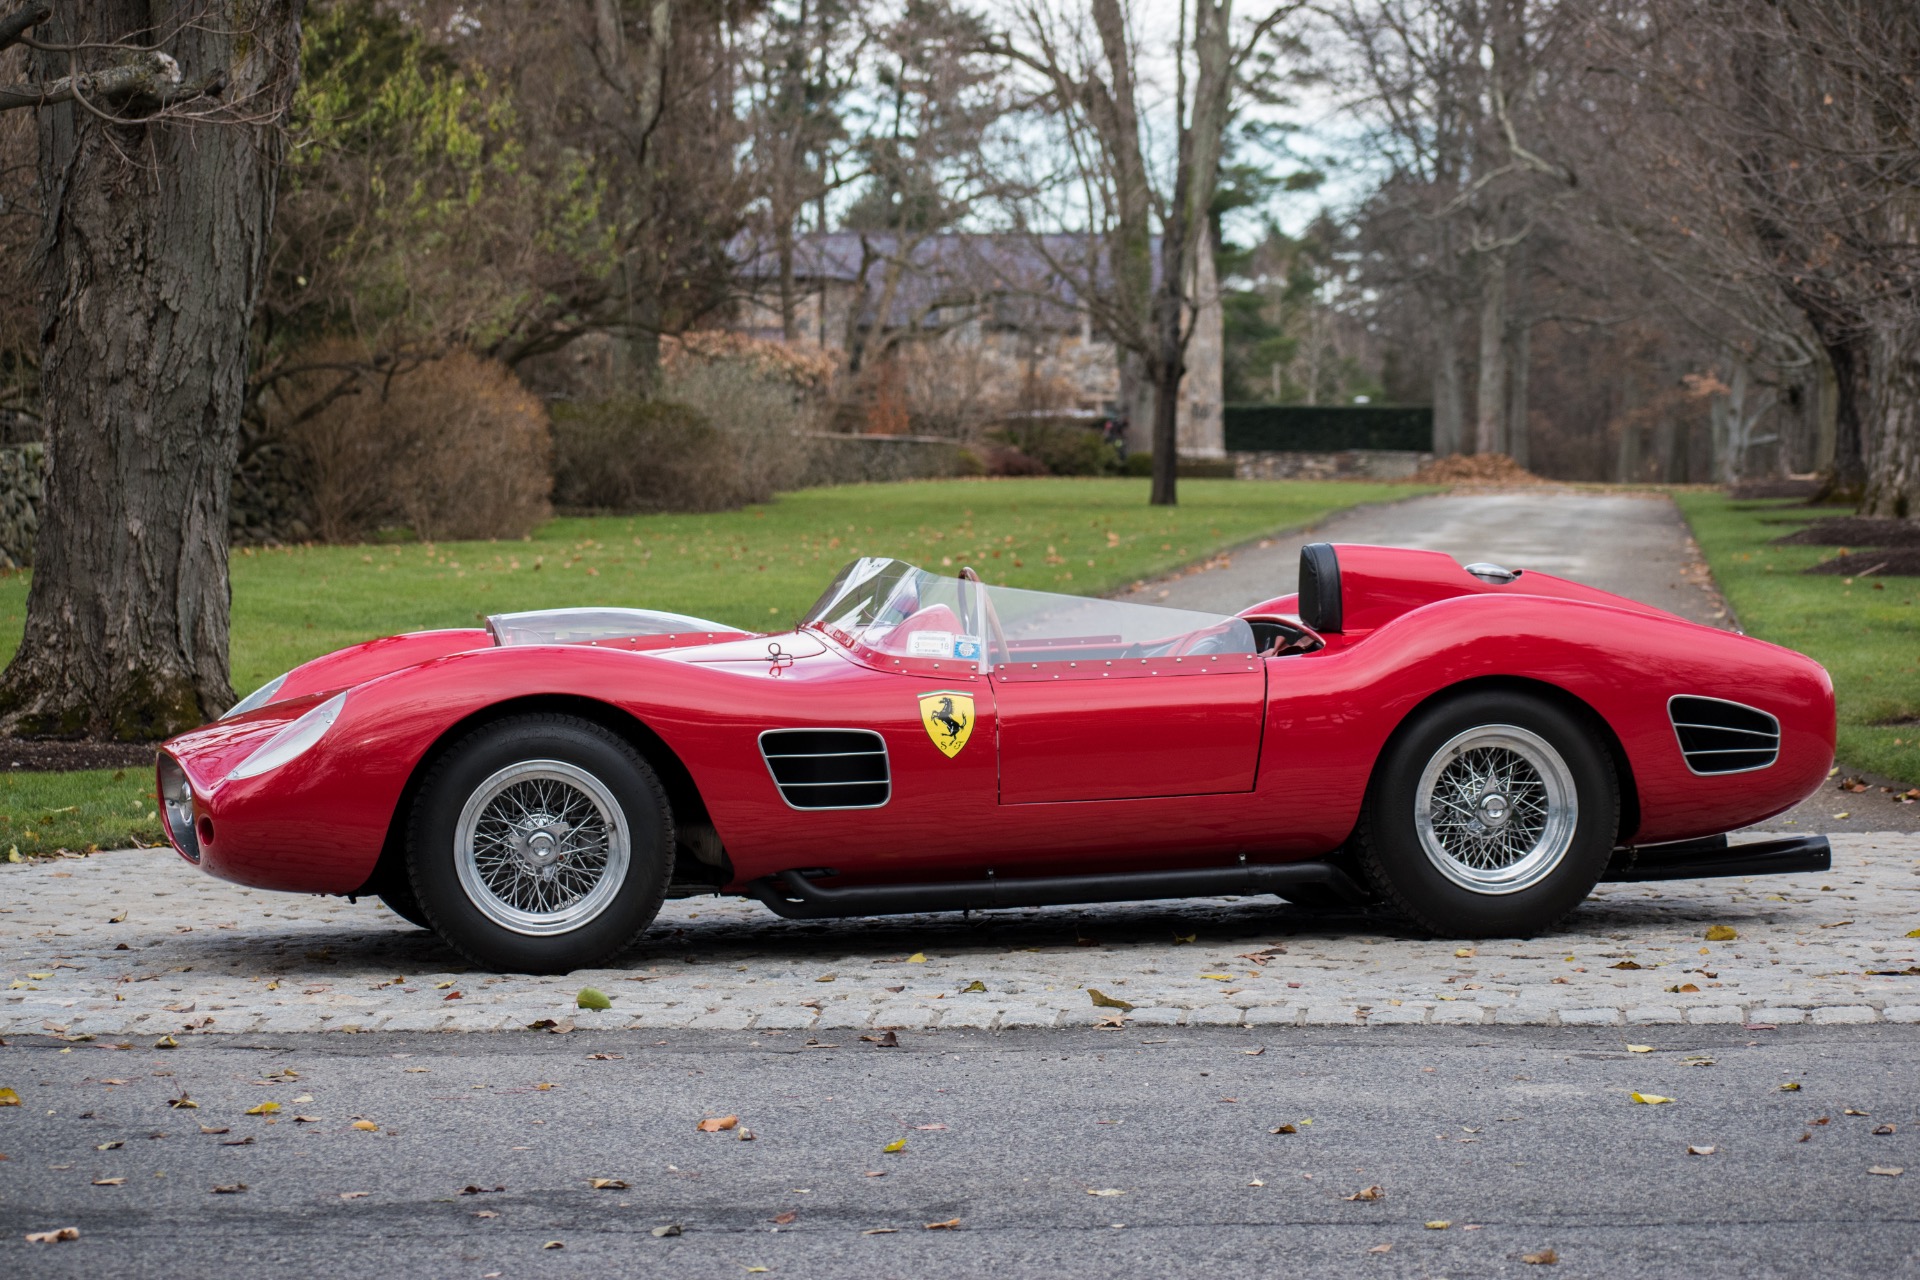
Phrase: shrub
pixel 762 414
pixel 642 455
pixel 1063 448
pixel 452 447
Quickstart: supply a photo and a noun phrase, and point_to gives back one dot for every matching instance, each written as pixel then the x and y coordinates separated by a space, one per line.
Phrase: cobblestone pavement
pixel 136 943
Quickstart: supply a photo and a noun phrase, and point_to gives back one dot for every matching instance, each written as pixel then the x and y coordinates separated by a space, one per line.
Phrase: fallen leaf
pixel 885 1040
pixel 951 1224
pixel 1721 933
pixel 1465 952
pixel 929 1128
pixel 1544 1258
pixel 355 1195
pixel 485 1213
pixel 784 1219
pixel 1887 1170
pixel 895 1147
pixel 553 1244
pixel 183 1103
pixel 1218 977
pixel 109 1182
pixel 1791 1086
pixel 454 995
pixel 589 998
pixel 918 957
pixel 881 1231
pixel 605 1057
pixel 1438 1224
pixel 8 1098
pixel 306 1119
pixel 263 1109
pixel 1106 1191
pixel 115 1145
pixel 1102 1000
pixel 230 1189
pixel 975 985
pixel 718 1124
pixel 670 1229
pixel 166 1042
pixel 366 1126
pixel 607 1184
pixel 1381 1248
pixel 1913 933
pixel 1284 1128
pixel 1683 987
pixel 475 1189
pixel 239 1142
pixel 214 1128
pixel 1651 1099
pixel 55 1236
pixel 1852 1111
pixel 1367 1193
pixel 829 977
pixel 746 1135
pixel 1639 1048
pixel 1881 1130
pixel 442 986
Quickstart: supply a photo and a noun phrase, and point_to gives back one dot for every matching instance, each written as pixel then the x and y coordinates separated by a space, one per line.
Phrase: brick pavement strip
pixel 135 943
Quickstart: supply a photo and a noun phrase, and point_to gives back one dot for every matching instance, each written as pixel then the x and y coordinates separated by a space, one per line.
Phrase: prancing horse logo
pixel 948 716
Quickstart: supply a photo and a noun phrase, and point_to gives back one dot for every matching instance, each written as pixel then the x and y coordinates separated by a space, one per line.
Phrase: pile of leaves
pixel 1476 468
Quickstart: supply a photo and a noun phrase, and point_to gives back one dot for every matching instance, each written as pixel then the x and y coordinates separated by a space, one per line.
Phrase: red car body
pixel 1070 768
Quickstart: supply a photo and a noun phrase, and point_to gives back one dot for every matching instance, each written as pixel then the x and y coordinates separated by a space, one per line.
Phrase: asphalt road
pixel 1522 1139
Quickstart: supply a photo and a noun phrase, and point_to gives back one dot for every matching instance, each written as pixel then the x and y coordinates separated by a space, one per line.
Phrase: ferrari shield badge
pixel 949 719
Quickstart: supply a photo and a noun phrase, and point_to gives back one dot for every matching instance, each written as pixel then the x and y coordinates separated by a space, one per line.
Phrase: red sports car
pixel 1472 748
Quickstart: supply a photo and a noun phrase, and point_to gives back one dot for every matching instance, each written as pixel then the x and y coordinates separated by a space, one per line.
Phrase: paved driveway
pixel 137 943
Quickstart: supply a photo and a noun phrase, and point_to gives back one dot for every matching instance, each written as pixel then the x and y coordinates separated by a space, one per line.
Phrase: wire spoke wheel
pixel 1496 809
pixel 541 847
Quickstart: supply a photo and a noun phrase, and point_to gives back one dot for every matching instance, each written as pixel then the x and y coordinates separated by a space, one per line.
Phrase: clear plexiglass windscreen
pixel 896 608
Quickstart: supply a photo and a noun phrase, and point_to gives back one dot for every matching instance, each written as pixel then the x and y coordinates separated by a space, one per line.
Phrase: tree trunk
pixel 1449 411
pixel 1846 479
pixel 1519 440
pixel 1490 418
pixel 1626 466
pixel 156 235
pixel 1166 430
pixel 1893 458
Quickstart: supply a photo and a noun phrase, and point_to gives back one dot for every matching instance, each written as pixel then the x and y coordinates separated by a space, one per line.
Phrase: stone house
pixel 996 317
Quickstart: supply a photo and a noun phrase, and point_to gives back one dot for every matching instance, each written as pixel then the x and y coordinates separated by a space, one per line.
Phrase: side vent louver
pixel 828 768
pixel 1723 737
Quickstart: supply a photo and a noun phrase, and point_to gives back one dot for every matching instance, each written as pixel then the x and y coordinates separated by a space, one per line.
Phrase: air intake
pixel 828 768
pixel 1723 737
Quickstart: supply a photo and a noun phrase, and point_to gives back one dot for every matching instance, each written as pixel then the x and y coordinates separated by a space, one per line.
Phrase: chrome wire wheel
pixel 541 847
pixel 1496 809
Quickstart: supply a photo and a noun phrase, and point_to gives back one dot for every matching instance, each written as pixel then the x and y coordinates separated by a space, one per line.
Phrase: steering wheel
pixel 997 637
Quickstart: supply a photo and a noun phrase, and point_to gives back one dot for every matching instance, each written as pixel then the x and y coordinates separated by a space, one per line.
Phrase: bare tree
pixel 1149 221
pixel 159 148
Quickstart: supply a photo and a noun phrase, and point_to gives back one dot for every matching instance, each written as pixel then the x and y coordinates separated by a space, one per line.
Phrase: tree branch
pixel 153 75
pixel 17 23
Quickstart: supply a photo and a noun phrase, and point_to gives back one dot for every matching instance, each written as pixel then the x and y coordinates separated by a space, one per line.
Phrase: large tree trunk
pixel 155 239
pixel 1490 418
pixel 1449 409
pixel 1519 356
pixel 1846 479
pixel 1893 447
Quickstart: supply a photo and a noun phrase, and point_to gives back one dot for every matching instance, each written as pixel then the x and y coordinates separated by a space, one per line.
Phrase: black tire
pixel 399 899
pixel 1491 764
pixel 610 789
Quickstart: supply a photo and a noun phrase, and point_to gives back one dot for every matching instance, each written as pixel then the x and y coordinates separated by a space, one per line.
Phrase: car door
pixel 1127 728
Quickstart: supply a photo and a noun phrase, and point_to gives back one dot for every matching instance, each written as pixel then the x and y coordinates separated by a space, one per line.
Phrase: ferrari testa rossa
pixel 1470 748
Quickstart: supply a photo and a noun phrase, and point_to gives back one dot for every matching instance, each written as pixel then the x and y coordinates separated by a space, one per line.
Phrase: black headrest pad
pixel 1320 586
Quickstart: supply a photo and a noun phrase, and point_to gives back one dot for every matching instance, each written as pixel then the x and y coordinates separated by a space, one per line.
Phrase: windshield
pixel 896 608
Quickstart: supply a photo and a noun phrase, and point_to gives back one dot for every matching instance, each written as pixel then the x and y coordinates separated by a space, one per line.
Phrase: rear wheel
pixel 540 844
pixel 1491 814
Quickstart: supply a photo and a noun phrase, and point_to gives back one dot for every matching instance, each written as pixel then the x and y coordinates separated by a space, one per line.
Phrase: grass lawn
pixel 757 568
pixel 1865 631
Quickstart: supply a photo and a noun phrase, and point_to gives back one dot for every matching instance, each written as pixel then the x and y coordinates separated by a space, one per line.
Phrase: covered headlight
pixel 293 741
pixel 176 802
pixel 258 698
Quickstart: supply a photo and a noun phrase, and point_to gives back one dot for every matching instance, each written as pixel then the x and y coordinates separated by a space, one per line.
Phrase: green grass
pixel 1865 631
pixel 757 568
pixel 94 808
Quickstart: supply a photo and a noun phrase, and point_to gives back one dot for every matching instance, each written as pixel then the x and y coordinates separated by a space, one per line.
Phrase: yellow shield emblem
pixel 949 719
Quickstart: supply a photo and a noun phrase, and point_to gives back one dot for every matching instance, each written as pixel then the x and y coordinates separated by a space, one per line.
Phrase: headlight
pixel 258 698
pixel 293 741
pixel 176 801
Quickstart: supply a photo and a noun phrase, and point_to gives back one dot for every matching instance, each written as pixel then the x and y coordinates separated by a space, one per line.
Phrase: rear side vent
pixel 828 768
pixel 1723 737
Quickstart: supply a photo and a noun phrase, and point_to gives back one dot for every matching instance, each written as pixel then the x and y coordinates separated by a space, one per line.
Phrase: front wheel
pixel 1491 814
pixel 540 844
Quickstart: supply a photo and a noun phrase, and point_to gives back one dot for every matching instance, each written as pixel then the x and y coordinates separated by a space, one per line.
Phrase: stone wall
pixel 21 485
pixel 1348 464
